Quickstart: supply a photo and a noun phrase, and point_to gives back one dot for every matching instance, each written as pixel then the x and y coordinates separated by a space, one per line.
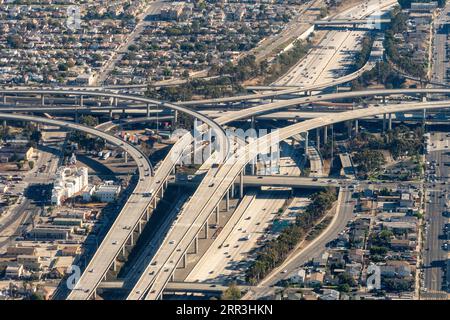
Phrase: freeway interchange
pixel 225 168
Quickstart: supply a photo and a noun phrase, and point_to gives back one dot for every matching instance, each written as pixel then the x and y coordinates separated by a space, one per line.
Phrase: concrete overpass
pixel 222 143
pixel 180 287
pixel 277 181
pixel 215 186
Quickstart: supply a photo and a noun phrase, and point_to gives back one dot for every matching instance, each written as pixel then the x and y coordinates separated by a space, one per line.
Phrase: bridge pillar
pixel 131 239
pixel 175 117
pixel 147 214
pixel 110 114
pixel 42 100
pixel 184 260
pixel 356 126
pixel 206 230
pixel 81 101
pixel 125 157
pixel 162 191
pixel 228 200
pixel 196 245
pixel 318 138
pixel 139 227
pixel 325 134
pixel 123 251
pixel 306 143
pixel 390 122
pixel 4 124
pixel 384 122
pixel 241 185
pixel 232 190
pixel 4 99
pixel 154 202
pixel 217 215
pixel 253 122
pixel 114 265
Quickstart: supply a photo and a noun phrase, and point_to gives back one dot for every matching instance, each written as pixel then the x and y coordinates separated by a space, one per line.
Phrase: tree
pixel 19 165
pixel 14 41
pixel 37 296
pixel 232 293
pixel 31 165
pixel 89 120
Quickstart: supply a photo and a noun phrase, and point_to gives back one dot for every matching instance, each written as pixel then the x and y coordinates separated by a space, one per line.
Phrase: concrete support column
pixel 115 102
pixel 184 260
pixel 110 114
pixel 132 239
pixel 232 190
pixel 228 200
pixel 206 230
pixel 154 202
pixel 318 138
pixel 306 143
pixel 390 122
pixel 4 99
pixel 162 191
pixel 147 214
pixel 356 126
pixel 384 122
pixel 148 110
pixel 114 266
pixel 125 157
pixel 42 100
pixel 175 116
pixel 196 245
pixel 81 101
pixel 325 134
pixel 271 159
pixel 123 251
pixel 253 122
pixel 241 185
pixel 140 227
pixel 217 215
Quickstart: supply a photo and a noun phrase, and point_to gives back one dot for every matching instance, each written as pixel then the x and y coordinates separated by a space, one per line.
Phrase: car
pixel 172 242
